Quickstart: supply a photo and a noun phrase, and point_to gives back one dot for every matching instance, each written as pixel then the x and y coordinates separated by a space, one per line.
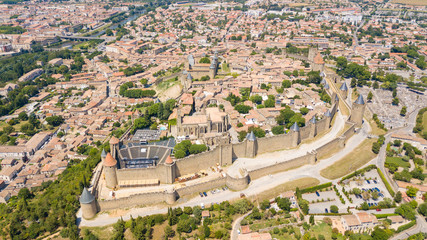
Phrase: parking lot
pixel 322 195
pixel 324 207
pixel 213 191
pixel 375 184
pixel 369 182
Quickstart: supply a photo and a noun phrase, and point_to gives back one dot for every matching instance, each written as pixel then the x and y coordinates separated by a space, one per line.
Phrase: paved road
pixel 255 187
pixel 268 159
pixel 420 227
pixel 421 223
pixel 236 226
pixel 382 154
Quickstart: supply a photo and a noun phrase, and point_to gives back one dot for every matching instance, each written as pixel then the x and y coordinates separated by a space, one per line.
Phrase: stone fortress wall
pixel 223 155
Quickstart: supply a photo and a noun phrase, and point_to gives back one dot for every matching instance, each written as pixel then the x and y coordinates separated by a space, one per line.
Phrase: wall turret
pixel 88 204
pixel 344 90
pixel 296 135
pixel 251 145
pixel 313 127
pixel 114 144
pixel 110 168
pixel 357 111
pixel 170 170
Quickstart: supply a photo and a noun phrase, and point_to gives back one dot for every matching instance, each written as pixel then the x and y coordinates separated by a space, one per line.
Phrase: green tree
pixel 403 111
pixel 55 120
pixel 23 116
pixel 256 99
pixel 279 129
pixel 28 129
pixel 205 60
pixel 411 191
pixel 395 101
pixel 169 232
pixel 265 204
pixel 144 81
pixel 286 83
pixel 304 110
pixel 270 102
pixel 379 234
pixel 243 109
pixel 304 205
pixel 8 129
pixel 284 203
pixel 197 148
pixel 370 96
pixel 285 116
pixel 334 209
pixel 398 197
pixel 364 206
pixel 422 209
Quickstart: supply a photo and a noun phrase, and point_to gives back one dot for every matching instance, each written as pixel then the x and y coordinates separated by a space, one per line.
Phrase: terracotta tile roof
pixel 110 161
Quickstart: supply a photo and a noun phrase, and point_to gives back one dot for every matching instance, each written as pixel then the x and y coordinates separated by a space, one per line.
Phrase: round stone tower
pixel 88 204
pixel 296 136
pixel 170 170
pixel 313 127
pixel 114 144
pixel 344 90
pixel 251 145
pixel 171 195
pixel 110 168
pixel 357 111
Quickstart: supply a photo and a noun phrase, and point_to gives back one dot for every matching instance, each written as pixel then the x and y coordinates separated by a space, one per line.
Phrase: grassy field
pixel 16 126
pixel 351 162
pixel 411 2
pixel 167 84
pixel 397 160
pixel 425 121
pixel 320 229
pixel 375 130
pixel 274 192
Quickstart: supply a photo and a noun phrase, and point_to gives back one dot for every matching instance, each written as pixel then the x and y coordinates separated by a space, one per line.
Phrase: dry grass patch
pixel 105 232
pixel 411 2
pixel 361 155
pixel 291 185
pixel 375 130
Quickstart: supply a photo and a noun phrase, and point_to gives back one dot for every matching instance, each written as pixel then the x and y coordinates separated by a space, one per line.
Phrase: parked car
pixel 201 194
pixel 326 210
pixel 204 193
pixel 375 181
pixel 378 210
pixel 368 182
pixel 317 193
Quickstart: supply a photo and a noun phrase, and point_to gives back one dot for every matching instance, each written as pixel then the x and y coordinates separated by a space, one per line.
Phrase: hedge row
pixel 386 183
pixel 384 215
pixel 358 172
pixel 406 226
pixel 329 214
pixel 315 188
